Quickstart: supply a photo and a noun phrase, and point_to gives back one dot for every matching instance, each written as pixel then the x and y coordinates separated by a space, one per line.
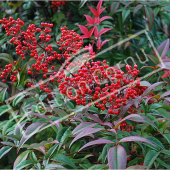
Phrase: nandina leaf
pixel 96 142
pixel 165 94
pixel 64 159
pixel 114 6
pixel 150 16
pixel 151 88
pixel 23 164
pixel 95 13
pixel 83 125
pixel 117 157
pixel 104 18
pixel 104 30
pixel 86 132
pixel 30 131
pixel 129 117
pixel 137 8
pixel 99 5
pixel 83 29
pixel 6 57
pixel 163 48
pixel 23 156
pixel 89 19
pixel 4 150
pixel 150 157
pixel 125 14
pixel 135 138
pixel 127 44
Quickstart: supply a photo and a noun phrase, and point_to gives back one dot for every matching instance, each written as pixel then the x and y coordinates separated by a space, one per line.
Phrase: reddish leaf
pixel 96 142
pixel 165 94
pixel 148 90
pixel 82 126
pixel 99 5
pixel 104 30
pixel 86 132
pixel 83 29
pixel 127 44
pixel 94 11
pixel 117 157
pixel 90 20
pixel 30 131
pixel 129 117
pixel 104 18
pixel 135 138
pixel 168 99
pixel 163 48
pixel 114 6
pixel 150 16
pixel 137 8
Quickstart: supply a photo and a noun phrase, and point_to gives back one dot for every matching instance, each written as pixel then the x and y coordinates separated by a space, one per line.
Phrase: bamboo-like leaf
pixel 150 16
pixel 117 157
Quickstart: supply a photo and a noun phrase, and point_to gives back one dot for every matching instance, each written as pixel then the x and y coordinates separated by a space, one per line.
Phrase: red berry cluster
pixel 125 127
pixel 70 42
pixel 108 87
pixel 55 4
pixel 33 42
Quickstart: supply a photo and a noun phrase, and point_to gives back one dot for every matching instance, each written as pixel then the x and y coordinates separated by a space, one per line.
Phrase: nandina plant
pixel 66 105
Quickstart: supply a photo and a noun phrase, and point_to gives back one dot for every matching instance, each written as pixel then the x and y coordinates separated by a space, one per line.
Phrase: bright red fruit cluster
pixel 34 43
pixel 106 87
pixel 55 4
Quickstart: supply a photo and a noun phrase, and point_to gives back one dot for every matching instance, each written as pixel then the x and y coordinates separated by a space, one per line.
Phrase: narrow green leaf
pixel 64 159
pixel 150 157
pixel 23 164
pixel 4 150
pixel 150 16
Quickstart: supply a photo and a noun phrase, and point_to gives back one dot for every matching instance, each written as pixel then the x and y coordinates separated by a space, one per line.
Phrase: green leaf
pixel 155 141
pixel 125 14
pixel 30 131
pixel 64 159
pixel 23 164
pixel 163 163
pixel 4 109
pixel 82 3
pixel 6 57
pixel 114 6
pixel 150 16
pixel 54 166
pixel 4 150
pixel 2 95
pixel 51 151
pixel 22 75
pixel 22 157
pixel 150 157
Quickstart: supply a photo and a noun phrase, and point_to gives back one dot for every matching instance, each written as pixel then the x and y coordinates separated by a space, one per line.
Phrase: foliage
pixel 84 92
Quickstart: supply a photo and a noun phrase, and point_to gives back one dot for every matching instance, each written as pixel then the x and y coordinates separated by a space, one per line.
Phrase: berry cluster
pixel 55 4
pixel 106 87
pixel 33 42
pixel 125 127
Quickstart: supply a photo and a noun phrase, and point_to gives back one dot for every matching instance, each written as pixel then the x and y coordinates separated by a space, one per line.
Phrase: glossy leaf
pixel 86 132
pixel 117 157
pixel 63 159
pixel 30 131
pixel 135 138
pixel 150 16
pixel 96 142
pixel 4 150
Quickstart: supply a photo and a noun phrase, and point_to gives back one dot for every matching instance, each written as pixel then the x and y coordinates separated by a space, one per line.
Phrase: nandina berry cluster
pixel 107 87
pixel 124 126
pixel 33 42
pixel 55 4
